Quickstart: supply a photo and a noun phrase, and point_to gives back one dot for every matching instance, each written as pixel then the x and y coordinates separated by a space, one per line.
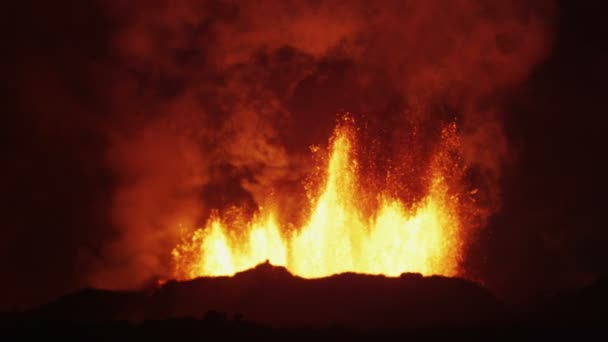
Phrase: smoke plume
pixel 218 101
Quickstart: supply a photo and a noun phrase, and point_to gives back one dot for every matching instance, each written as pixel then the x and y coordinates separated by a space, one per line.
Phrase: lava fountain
pixel 340 233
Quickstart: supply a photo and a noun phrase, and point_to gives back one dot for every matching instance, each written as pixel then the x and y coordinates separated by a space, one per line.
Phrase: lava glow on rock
pixel 340 235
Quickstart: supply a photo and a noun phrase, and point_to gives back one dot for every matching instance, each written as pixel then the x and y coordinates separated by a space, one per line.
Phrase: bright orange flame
pixel 337 236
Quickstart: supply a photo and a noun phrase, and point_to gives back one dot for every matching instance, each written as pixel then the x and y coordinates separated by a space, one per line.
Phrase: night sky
pixel 87 102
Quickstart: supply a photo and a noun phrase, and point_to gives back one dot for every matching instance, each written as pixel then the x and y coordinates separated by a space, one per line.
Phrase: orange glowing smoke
pixel 339 235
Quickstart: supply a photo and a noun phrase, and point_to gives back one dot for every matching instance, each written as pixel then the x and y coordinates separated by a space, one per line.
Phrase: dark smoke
pixel 217 84
pixel 132 118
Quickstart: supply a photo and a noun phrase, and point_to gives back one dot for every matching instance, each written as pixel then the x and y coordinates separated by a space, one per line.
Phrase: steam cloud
pixel 218 100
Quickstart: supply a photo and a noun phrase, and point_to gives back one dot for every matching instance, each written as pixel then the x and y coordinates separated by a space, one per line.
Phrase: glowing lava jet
pixel 339 234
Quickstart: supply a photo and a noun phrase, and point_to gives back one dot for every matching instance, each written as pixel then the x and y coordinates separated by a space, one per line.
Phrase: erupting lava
pixel 339 235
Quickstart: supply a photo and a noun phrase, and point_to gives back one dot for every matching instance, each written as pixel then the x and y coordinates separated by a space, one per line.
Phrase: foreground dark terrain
pixel 269 302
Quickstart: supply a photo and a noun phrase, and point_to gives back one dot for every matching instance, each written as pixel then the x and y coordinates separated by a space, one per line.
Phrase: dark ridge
pixel 272 296
pixel 268 302
pixel 94 304
pixel 585 306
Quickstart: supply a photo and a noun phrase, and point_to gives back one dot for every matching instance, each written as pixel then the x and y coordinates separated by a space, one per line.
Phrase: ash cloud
pixel 200 87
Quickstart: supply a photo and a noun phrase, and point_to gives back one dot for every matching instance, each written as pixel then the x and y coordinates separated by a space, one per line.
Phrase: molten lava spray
pixel 340 234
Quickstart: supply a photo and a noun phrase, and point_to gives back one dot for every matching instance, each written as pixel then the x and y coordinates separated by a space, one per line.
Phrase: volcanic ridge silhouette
pixel 269 297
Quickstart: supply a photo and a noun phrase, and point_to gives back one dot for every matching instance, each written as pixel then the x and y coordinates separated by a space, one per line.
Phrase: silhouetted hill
pixel 93 304
pixel 272 296
pixel 586 306
pixel 269 303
